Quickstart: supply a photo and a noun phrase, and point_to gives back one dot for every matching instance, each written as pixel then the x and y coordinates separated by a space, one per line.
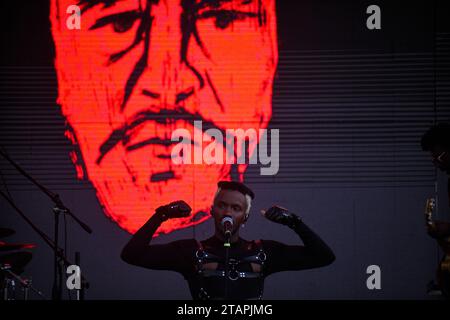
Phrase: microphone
pixel 227 224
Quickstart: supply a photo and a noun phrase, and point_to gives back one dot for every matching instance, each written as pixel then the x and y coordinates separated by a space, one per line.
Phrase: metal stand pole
pixel 227 245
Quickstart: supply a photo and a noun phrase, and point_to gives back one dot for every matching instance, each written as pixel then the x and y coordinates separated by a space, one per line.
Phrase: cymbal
pixel 15 246
pixel 5 232
pixel 17 260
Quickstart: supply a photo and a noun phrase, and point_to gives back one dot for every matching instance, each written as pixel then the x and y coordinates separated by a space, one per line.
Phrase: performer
pixel 437 141
pixel 225 266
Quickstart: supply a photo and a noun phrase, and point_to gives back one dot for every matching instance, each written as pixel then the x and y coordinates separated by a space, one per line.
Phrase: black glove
pixel 281 215
pixel 177 209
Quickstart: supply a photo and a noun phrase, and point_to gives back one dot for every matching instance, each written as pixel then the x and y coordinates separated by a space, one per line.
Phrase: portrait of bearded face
pixel 137 70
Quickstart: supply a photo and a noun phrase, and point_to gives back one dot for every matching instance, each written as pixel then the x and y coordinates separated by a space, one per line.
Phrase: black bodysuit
pixel 203 263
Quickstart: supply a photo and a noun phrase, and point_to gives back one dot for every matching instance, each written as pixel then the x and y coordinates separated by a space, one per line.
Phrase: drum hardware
pixel 59 258
pixel 10 286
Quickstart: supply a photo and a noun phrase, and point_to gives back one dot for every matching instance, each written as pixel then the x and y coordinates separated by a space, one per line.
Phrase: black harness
pixel 243 282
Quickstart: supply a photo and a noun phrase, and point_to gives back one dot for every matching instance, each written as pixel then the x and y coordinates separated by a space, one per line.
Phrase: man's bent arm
pixel 313 254
pixel 139 252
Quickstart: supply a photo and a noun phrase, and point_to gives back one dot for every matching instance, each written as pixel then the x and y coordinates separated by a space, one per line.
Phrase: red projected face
pixel 139 69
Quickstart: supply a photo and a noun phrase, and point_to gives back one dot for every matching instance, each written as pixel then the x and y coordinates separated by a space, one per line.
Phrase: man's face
pixel 229 203
pixel 139 69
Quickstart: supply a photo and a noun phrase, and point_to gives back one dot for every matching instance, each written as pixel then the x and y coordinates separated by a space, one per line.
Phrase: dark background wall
pixel 351 105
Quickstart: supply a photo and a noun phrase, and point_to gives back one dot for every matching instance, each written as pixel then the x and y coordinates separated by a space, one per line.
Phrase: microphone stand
pixel 227 245
pixel 59 257
pixel 80 292
pixel 44 237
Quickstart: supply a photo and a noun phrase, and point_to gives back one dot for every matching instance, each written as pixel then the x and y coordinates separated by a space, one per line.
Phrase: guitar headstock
pixel 429 208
